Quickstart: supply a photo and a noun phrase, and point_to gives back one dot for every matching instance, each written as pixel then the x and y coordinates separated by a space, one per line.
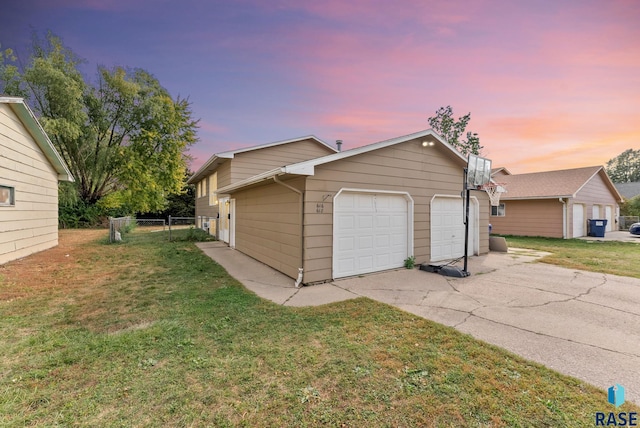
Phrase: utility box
pixel 597 227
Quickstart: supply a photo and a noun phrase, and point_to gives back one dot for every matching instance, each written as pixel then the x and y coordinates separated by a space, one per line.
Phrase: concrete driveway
pixel 582 324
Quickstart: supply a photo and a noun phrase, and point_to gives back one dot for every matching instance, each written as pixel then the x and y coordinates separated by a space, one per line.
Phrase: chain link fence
pixel 172 229
pixel 625 221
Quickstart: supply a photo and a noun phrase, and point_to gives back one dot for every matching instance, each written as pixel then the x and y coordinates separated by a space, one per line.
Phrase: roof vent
pixel 339 145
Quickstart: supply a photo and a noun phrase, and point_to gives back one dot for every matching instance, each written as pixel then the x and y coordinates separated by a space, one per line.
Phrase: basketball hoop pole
pixel 466 223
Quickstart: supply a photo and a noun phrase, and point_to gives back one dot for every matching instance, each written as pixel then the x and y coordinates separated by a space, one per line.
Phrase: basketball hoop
pixel 494 190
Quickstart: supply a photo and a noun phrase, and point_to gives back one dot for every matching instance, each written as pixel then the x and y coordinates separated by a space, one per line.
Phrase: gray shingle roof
pixel 628 190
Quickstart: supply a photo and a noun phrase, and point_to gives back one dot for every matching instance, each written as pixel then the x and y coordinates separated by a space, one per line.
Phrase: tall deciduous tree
pixel 625 167
pixel 123 137
pixel 452 131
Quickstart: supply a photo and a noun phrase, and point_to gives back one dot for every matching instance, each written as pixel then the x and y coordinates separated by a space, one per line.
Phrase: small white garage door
pixel 371 232
pixel 608 214
pixel 578 220
pixel 447 228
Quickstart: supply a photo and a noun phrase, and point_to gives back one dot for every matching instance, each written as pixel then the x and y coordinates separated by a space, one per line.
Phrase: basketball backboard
pixel 478 171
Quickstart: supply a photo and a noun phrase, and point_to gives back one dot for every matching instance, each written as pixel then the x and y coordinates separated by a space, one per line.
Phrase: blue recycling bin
pixel 597 227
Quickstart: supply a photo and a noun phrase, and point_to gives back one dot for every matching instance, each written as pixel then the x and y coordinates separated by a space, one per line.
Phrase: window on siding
pixel 497 211
pixel 213 186
pixel 7 196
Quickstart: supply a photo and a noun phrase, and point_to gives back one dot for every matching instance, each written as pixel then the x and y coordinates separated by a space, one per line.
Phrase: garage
pixel 447 228
pixel 373 231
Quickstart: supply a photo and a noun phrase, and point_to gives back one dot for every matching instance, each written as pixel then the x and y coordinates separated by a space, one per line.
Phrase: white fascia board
pixel 307 167
pixel 303 168
pixel 528 198
pixel 197 175
pixel 30 121
pixel 226 155
pixel 229 154
pixel 251 180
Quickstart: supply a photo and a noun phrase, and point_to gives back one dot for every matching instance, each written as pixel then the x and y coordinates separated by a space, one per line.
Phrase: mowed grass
pixel 152 333
pixel 614 257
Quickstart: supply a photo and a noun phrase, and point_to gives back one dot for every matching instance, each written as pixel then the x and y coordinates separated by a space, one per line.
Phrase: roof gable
pixel 30 122
pixel 499 172
pixel 217 159
pixel 564 183
pixel 308 167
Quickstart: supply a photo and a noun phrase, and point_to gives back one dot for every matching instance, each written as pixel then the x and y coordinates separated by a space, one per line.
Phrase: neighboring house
pixel 30 169
pixel 555 204
pixel 229 167
pixel 358 211
pixel 629 190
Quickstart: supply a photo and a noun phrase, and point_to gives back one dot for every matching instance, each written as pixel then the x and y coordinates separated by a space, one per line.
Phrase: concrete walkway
pixel 582 324
pixel 618 235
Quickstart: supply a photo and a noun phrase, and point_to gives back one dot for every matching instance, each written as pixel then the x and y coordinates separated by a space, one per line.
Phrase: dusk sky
pixel 549 84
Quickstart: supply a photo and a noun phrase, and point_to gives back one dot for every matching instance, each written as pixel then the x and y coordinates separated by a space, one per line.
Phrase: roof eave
pixel 31 123
pixel 523 198
pixel 307 167
pixel 230 154
pixel 197 175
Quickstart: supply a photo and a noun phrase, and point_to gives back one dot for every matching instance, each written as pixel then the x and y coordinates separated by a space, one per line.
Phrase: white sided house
pixel 30 169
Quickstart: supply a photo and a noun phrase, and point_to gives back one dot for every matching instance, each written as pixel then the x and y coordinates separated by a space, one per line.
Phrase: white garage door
pixel 447 228
pixel 578 220
pixel 371 232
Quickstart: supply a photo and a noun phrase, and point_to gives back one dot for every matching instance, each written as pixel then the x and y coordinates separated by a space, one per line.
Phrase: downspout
pixel 564 218
pixel 300 269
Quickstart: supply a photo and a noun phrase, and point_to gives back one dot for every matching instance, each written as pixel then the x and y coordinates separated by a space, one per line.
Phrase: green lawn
pixel 619 258
pixel 152 333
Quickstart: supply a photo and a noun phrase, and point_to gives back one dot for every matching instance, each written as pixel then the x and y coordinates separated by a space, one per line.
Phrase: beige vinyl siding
pixel 30 225
pixel 596 192
pixel 203 208
pixel 248 164
pixel 224 173
pixel 267 225
pixel 538 217
pixel 407 167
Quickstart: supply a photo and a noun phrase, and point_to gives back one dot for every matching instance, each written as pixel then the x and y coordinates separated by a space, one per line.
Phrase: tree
pixel 124 138
pixel 631 207
pixel 625 167
pixel 452 130
pixel 181 204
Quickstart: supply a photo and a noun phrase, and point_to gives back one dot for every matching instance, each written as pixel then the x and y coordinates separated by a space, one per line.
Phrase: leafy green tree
pixel 181 204
pixel 625 167
pixel 631 207
pixel 452 131
pixel 123 137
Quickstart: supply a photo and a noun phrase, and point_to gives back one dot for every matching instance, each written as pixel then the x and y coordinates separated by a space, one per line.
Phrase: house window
pixel 213 186
pixel 497 211
pixel 7 196
pixel 200 188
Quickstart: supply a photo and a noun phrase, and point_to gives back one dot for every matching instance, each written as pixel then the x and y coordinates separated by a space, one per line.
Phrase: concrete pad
pixel 592 364
pixel 499 244
pixel 320 294
pixel 582 324
pixel 268 283
pixel 448 317
pixel 256 276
